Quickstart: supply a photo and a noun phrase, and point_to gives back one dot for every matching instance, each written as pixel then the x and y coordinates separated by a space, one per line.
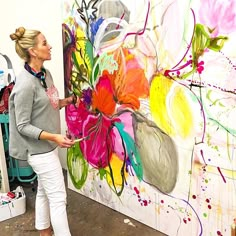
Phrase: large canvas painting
pixel 156 123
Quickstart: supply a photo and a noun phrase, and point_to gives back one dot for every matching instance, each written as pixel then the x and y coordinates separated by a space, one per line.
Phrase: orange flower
pixel 102 97
pixel 128 82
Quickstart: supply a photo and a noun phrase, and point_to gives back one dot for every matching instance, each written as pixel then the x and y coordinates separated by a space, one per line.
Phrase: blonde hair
pixel 24 40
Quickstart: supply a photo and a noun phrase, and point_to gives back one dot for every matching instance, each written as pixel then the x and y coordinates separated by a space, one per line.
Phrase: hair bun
pixel 18 34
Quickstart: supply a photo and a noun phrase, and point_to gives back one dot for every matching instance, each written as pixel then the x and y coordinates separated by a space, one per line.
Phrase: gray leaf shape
pixel 158 154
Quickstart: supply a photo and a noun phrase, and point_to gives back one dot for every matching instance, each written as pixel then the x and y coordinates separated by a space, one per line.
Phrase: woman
pixel 35 130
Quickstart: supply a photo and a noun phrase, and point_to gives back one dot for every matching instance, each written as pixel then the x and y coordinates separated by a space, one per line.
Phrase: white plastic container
pixel 16 207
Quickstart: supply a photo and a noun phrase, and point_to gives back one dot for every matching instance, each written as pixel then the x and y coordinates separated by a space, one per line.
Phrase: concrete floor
pixel 86 218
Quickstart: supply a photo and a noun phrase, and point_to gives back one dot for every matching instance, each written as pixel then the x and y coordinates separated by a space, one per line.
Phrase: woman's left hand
pixel 73 99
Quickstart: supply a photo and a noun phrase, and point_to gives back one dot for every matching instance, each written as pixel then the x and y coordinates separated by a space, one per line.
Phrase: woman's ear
pixel 32 52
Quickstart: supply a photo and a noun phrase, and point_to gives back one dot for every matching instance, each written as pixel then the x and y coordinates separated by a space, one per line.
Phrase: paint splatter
pixel 218 168
pixel 143 202
pixel 219 233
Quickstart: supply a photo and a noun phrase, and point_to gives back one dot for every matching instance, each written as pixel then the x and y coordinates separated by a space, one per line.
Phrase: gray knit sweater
pixel 31 112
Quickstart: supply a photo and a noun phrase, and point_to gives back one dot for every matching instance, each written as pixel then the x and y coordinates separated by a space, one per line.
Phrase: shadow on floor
pixel 86 218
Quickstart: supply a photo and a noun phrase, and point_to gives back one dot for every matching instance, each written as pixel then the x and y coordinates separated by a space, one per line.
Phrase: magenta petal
pixel 74 119
pixel 98 148
pixel 124 117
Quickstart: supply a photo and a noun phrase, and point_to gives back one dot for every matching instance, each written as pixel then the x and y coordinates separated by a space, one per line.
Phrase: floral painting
pixel 155 123
pixel 0 179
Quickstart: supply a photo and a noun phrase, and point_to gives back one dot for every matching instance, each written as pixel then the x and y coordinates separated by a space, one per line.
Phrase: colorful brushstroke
pixel 110 85
pixel 157 96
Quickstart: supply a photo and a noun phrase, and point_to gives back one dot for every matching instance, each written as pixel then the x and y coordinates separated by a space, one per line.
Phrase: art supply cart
pixel 17 169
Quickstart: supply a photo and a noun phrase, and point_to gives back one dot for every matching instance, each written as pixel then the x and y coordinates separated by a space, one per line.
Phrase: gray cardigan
pixel 30 112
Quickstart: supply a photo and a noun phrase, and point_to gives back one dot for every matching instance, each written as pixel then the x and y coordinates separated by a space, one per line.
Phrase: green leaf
pixel 102 173
pixel 75 61
pixel 89 52
pixel 201 41
pixel 95 71
pixel 77 166
pixel 217 43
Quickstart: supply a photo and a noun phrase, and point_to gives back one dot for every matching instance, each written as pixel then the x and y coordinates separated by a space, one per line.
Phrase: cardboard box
pixel 15 207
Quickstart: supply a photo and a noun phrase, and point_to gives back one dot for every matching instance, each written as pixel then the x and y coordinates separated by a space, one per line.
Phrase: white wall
pixel 44 15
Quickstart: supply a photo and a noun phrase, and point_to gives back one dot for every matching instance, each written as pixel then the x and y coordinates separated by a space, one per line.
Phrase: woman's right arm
pixel 23 102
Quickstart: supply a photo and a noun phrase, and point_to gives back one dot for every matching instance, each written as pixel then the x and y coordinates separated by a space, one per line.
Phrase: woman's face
pixel 42 48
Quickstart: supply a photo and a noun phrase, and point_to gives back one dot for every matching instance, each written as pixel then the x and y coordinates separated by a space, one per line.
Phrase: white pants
pixel 50 203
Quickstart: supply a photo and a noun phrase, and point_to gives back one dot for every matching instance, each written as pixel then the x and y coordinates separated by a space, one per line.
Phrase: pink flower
pixel 98 148
pixel 218 15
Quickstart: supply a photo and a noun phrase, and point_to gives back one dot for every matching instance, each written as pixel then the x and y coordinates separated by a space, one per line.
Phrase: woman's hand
pixel 61 140
pixel 69 100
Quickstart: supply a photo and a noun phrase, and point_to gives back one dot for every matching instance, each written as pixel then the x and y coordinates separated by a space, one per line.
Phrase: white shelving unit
pixel 3 168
